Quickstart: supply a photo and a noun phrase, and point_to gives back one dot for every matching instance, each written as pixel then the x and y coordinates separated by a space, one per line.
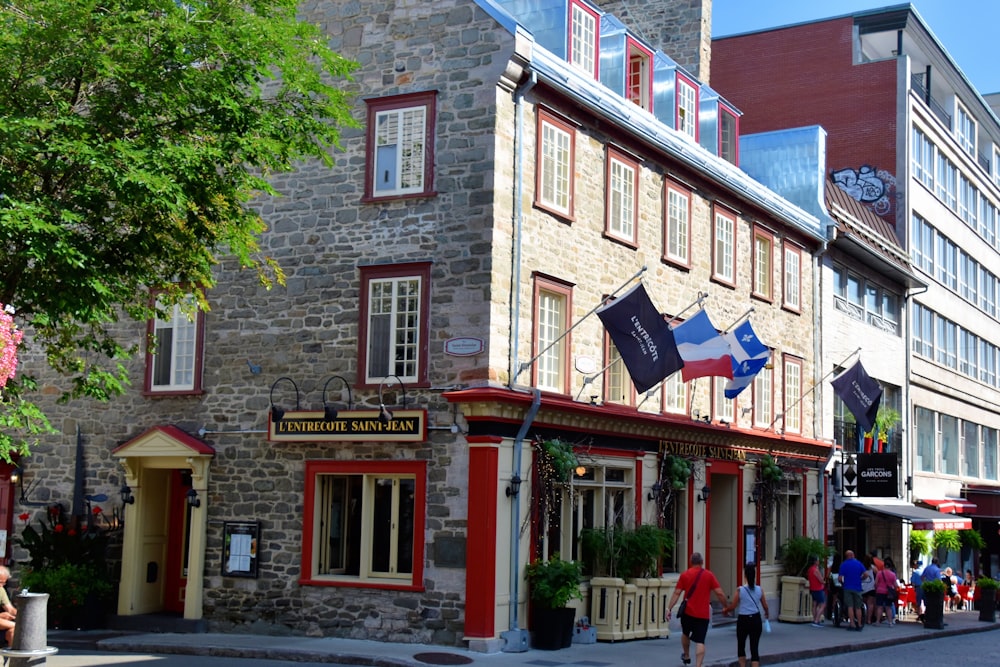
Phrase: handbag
pixel 767 622
pixel 684 602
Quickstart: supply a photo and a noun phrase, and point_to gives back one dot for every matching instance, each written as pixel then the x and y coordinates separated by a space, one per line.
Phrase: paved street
pixel 71 658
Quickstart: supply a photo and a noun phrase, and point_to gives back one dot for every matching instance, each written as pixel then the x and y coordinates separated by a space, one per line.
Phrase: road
pixel 75 658
pixel 979 649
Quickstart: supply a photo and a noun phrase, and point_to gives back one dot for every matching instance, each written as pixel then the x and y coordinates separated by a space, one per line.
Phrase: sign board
pixel 349 426
pixel 871 475
pixel 241 542
pixel 463 347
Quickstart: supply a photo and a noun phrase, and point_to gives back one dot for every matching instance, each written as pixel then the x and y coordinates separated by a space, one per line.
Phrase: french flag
pixel 704 351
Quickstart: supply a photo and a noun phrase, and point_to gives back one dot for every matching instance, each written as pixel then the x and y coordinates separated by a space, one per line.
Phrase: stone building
pixel 913 141
pixel 355 454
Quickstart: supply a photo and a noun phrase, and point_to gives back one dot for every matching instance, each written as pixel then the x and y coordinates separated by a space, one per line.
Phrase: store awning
pixel 950 505
pixel 921 517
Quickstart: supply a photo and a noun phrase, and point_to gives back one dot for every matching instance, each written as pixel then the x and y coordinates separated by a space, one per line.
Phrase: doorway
pixel 723 532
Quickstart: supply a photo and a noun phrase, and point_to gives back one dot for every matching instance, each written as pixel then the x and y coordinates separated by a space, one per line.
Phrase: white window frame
pixel 763 264
pixel 723 409
pixel 556 171
pixel 724 246
pixel 622 187
pixel 763 396
pixel 965 129
pixel 401 146
pixel 687 107
pixel 176 346
pixel 583 33
pixel 394 332
pixel 675 394
pixel 678 233
pixel 791 395
pixel 792 287
pixel 551 348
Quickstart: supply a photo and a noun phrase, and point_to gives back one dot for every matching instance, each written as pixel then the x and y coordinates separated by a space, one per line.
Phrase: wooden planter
pixel 796 603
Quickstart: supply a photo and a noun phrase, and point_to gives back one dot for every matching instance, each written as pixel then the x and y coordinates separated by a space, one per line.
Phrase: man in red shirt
pixel 697 584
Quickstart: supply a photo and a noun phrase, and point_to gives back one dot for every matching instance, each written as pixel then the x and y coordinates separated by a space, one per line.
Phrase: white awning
pixel 921 517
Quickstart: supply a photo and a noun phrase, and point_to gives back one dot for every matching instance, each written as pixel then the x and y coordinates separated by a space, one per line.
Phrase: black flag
pixel 860 394
pixel 642 337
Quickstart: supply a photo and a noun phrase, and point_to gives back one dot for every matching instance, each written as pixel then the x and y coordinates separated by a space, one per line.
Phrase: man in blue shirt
pixel 852 572
pixel 917 580
pixel 932 572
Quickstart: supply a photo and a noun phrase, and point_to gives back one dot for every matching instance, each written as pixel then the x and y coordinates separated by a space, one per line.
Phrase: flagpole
pixel 739 319
pixel 527 364
pixel 812 388
pixel 590 378
pixel 697 302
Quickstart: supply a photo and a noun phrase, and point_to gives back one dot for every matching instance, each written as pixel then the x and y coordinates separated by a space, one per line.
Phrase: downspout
pixel 516 641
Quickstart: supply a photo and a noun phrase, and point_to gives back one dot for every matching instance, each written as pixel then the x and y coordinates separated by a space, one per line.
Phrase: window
pixel 583 37
pixel 364 523
pixel 675 397
pixel 788 512
pixel 967 354
pixel 922 241
pixel 970 449
pixel 968 274
pixel 946 180
pixel 763 268
pixel 987 363
pixel 724 244
pixel 925 439
pixel 946 261
pixel 989 436
pixel 923 331
pixel 622 192
pixel 792 395
pixel 763 397
pixel 949 444
pixel 174 349
pixel 394 322
pixel 678 232
pixel 618 384
pixel 965 130
pixel 923 158
pixel 729 135
pixel 946 342
pixel 968 201
pixel 552 308
pixel 847 293
pixel 554 173
pixel 881 308
pixel 996 165
pixel 638 85
pixel 793 278
pixel 603 497
pixel 687 107
pixel 722 407
pixel 400 146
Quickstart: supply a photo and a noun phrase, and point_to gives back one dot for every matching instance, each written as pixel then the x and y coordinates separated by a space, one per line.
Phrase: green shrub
pixel 796 551
pixel 972 538
pixel 625 553
pixel 933 586
pixel 987 584
pixel 554 582
pixel 68 585
pixel 947 540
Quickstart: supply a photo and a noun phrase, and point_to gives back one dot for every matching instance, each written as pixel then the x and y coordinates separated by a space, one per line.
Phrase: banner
pixel 749 357
pixel 703 350
pixel 642 337
pixel 860 394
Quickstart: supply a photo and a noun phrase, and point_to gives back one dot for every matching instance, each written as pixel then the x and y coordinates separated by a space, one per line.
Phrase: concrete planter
pixel 796 603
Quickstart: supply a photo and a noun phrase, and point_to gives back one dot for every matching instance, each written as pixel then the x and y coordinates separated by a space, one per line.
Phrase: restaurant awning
pixel 921 517
pixel 950 505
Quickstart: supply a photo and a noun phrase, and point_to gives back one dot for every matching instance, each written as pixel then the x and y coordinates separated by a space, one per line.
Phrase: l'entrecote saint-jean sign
pixel 349 426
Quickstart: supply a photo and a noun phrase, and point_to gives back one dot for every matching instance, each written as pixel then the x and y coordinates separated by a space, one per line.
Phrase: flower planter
pixel 796 603
pixel 988 606
pixel 606 597
pixel 552 629
pixel 934 610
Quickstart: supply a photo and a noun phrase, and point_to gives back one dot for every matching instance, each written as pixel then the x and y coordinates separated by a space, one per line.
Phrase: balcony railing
pixel 845 434
pixel 917 83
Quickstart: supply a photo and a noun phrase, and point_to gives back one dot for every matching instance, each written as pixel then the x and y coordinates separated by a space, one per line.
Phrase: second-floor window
pixel 793 394
pixel 174 350
pixel 552 308
pixel 394 322
pixel 554 165
pixel 677 236
pixel 763 269
pixel 622 193
pixel 965 129
pixel 724 247
pixel 763 397
pixel 400 146
pixel 792 297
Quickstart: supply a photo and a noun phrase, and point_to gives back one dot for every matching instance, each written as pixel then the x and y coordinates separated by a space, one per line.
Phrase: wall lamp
pixel 330 412
pixel 277 412
pixel 754 495
pixel 384 415
pixel 818 498
pixel 193 499
pixel 705 493
pixel 17 478
pixel 515 486
pixel 654 491
pixel 126 494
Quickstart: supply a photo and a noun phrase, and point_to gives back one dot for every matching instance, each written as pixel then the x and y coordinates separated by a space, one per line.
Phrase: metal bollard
pixel 29 646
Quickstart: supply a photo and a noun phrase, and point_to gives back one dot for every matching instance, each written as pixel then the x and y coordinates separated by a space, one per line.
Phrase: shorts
pixel 852 599
pixel 694 628
pixel 882 600
pixel 819 597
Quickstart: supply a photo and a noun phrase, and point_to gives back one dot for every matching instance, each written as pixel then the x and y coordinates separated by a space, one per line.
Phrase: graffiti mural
pixel 874 187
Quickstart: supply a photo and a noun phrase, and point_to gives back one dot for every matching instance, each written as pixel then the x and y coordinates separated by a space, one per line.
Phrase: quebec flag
pixel 703 350
pixel 749 357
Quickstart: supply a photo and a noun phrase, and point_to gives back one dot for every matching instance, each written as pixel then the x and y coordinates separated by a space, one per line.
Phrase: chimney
pixel 682 29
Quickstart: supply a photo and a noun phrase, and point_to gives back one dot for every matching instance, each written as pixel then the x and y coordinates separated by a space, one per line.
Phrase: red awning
pixel 951 505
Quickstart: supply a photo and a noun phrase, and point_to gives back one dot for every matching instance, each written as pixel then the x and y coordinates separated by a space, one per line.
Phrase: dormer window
pixel 637 87
pixel 729 135
pixel 687 107
pixel 582 51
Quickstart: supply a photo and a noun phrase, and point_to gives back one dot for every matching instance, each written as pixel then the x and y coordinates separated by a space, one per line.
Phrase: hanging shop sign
pixel 870 475
pixel 349 426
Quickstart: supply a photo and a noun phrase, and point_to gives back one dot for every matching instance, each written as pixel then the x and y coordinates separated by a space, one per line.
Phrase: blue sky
pixel 966 28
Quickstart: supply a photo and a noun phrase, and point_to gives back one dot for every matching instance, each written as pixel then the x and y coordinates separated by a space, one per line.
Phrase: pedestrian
pixel 917 581
pixel 8 612
pixel 816 590
pixel 932 571
pixel 868 591
pixel 751 610
pixel 895 593
pixel 696 609
pixel 835 611
pixel 885 585
pixel 852 574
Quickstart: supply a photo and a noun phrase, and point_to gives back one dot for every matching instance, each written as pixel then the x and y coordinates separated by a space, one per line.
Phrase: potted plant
pixel 947 540
pixel 986 590
pixel 933 604
pixel 920 543
pixel 796 605
pixel 886 419
pixel 553 583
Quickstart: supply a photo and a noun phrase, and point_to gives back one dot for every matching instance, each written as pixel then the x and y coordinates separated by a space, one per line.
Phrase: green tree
pixel 134 137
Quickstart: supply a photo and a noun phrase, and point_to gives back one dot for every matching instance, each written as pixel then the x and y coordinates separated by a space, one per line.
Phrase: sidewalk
pixel 787 642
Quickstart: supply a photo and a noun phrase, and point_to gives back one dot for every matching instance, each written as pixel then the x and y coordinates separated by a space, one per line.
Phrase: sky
pixel 966 28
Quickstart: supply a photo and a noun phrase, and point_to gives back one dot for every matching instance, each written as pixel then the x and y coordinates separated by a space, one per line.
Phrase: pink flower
pixel 24 517
pixel 97 510
pixel 58 528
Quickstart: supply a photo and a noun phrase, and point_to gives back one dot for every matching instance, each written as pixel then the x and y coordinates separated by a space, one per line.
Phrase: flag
pixel 860 394
pixel 642 337
pixel 703 350
pixel 749 357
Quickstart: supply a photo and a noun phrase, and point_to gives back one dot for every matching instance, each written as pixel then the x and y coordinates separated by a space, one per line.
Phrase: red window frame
pixel 546 283
pixel 426 99
pixel 728 281
pixel 546 117
pixel 615 155
pixel 726 111
pixel 641 93
pixel 684 80
pixel 673 186
pixel 762 233
pixel 790 248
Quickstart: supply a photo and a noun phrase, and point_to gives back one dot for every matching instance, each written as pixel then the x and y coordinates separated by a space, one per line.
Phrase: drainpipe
pixel 516 639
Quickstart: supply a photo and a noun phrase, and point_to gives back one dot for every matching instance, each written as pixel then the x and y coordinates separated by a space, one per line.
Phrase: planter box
pixel 606 607
pixel 630 606
pixel 988 606
pixel 934 610
pixel 796 603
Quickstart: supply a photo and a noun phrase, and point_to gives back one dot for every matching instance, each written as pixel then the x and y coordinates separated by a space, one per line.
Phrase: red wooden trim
pixel 481 549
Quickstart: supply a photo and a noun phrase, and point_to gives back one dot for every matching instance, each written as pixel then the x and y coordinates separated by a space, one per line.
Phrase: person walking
pixel 916 581
pixel 751 610
pixel 852 574
pixel 885 584
pixel 868 591
pixel 816 590
pixel 697 583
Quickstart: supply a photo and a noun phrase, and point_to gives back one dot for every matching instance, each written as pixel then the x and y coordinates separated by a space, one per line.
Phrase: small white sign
pixel 586 365
pixel 463 347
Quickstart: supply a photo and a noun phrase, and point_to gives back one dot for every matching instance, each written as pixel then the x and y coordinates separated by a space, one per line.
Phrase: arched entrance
pixel 163 544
